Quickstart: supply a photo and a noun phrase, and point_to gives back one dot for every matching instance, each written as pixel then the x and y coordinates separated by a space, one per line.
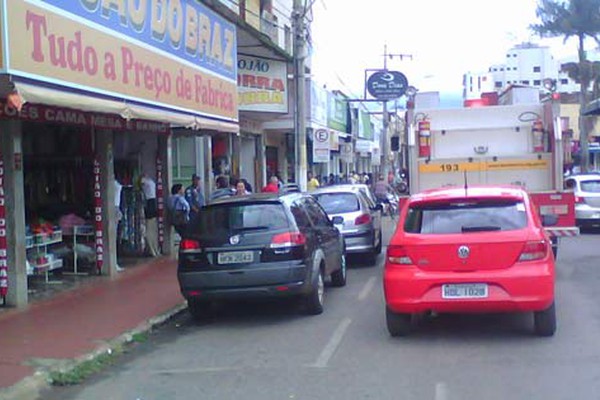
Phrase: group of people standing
pixel 184 204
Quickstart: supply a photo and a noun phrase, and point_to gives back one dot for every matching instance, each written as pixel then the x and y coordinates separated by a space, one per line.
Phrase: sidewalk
pixel 76 323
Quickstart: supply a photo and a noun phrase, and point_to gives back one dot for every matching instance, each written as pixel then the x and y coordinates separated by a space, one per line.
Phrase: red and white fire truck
pixel 516 142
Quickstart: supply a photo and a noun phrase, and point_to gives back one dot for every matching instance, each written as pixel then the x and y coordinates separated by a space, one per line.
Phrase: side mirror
pixel 337 220
pixel 549 220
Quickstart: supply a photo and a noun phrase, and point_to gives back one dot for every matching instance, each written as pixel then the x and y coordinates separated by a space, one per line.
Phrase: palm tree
pixel 579 19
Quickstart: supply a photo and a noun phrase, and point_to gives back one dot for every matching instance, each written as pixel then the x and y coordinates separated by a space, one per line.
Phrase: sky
pixel 446 38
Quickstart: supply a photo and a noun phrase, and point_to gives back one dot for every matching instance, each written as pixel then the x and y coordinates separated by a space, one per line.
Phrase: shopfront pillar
pixel 261 163
pixel 105 210
pixel 236 155
pixel 14 205
pixel 164 155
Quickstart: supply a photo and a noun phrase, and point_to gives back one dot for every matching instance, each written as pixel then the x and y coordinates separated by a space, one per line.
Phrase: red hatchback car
pixel 474 250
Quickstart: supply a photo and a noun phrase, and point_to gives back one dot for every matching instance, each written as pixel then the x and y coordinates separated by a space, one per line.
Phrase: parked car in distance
pixel 586 188
pixel 264 245
pixel 475 250
pixel 356 216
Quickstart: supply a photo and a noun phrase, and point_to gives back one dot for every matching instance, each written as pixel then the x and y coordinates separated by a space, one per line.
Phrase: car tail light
pixel 398 255
pixel 288 239
pixel 534 251
pixel 579 199
pixel 189 245
pixel 362 219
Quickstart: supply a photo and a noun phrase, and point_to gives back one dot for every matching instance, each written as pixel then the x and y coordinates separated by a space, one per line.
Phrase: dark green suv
pixel 257 246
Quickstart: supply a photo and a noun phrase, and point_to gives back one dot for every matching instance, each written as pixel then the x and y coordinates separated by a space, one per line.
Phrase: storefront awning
pixel 79 101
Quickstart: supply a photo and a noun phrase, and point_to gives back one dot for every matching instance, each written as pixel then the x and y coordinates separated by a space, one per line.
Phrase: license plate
pixel 235 257
pixel 465 291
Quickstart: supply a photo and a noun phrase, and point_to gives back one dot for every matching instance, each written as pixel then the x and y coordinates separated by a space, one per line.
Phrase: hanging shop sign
pixel 321 146
pixel 98 224
pixel 375 156
pixel 363 146
pixel 337 111
pixel 262 85
pixel 174 54
pixel 160 201
pixel 346 152
pixel 318 104
pixel 42 113
pixel 387 85
pixel 3 244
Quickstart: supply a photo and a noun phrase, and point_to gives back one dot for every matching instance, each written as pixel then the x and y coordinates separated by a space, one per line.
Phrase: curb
pixel 32 386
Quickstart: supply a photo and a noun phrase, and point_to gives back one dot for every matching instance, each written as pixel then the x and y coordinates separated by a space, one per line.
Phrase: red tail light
pixel 362 219
pixel 189 245
pixel 579 200
pixel 398 255
pixel 288 239
pixel 534 251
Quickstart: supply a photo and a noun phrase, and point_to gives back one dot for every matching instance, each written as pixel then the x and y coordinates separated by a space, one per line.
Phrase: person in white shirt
pixel 151 212
pixel 118 213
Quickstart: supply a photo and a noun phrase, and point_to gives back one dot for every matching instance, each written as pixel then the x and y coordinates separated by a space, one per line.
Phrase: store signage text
pixel 262 85
pixel 51 46
pixel 3 244
pixel 98 225
pixel 185 29
pixel 41 113
pixel 160 201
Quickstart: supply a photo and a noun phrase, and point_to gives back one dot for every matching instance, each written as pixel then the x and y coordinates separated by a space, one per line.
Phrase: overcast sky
pixel 445 37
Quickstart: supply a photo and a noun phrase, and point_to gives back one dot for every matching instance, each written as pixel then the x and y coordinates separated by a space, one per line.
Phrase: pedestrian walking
pixel 151 212
pixel 194 196
pixel 240 188
pixel 179 209
pixel 222 190
pixel 312 182
pixel 272 186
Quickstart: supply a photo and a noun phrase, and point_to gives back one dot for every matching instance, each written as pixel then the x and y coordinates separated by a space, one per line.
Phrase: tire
pixel 338 278
pixel 398 324
pixel 199 309
pixel 313 302
pixel 544 321
pixel 380 244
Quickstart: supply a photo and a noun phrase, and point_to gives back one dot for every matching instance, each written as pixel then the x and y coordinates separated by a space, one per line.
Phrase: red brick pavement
pixel 75 323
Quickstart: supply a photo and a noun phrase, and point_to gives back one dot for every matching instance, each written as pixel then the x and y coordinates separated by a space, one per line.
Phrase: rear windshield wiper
pixel 482 228
pixel 251 228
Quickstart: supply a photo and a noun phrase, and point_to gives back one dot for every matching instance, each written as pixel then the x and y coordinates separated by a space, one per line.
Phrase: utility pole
pixel 298 14
pixel 386 120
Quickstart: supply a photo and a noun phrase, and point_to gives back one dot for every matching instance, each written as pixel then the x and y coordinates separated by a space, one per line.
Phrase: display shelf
pixel 41 261
pixel 81 234
pixel 46 267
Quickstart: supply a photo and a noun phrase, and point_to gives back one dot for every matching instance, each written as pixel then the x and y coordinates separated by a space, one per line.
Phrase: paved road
pixel 267 352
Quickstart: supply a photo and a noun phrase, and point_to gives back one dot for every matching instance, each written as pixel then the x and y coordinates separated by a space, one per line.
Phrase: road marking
pixel 333 344
pixel 367 288
pixel 441 391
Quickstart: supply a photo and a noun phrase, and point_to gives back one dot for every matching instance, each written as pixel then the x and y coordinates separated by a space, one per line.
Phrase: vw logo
pixel 234 239
pixel 463 252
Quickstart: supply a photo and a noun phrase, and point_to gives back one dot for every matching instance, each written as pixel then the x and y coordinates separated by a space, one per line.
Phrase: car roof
pixel 584 177
pixel 346 188
pixel 258 197
pixel 472 192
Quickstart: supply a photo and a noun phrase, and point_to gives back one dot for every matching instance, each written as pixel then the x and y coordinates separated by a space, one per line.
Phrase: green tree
pixel 578 19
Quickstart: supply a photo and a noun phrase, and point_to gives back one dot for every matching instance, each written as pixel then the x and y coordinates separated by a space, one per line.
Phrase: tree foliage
pixel 579 19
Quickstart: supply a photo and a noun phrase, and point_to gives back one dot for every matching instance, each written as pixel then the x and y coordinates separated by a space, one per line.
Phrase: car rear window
pixel 591 186
pixel 466 217
pixel 338 203
pixel 241 217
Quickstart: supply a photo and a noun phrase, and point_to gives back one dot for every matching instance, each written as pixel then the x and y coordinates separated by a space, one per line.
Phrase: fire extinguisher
pixel 538 136
pixel 424 139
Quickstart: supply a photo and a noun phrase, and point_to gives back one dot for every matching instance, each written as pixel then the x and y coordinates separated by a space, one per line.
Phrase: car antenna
pixel 466 183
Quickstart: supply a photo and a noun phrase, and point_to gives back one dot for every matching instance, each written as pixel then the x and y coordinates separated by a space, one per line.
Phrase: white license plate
pixel 465 291
pixel 235 257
